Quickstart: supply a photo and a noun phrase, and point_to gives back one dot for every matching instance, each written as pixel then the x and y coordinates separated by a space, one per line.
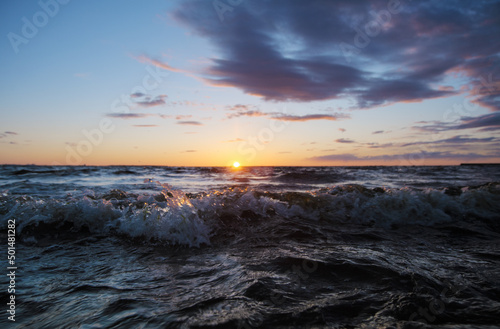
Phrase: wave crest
pixel 176 218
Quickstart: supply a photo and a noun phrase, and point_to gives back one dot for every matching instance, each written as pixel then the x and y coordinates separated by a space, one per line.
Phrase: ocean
pixel 254 247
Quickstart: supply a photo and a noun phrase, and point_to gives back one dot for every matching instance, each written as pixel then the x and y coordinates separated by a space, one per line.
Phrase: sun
pixel 236 164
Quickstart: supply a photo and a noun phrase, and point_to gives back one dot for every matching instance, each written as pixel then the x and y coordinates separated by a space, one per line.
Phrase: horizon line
pixel 244 166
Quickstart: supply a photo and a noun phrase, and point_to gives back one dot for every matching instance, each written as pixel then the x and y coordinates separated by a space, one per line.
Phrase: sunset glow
pixel 313 84
pixel 250 163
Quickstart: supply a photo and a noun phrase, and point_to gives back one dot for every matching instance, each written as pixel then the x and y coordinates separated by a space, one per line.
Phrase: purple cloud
pixel 454 140
pixel 487 122
pixel 127 115
pixel 309 117
pixel 137 95
pixel 148 101
pixel 293 50
pixel 347 157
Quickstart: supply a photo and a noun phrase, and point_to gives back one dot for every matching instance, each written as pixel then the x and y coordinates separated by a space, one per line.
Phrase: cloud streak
pixel 251 111
pixel 347 157
pixel 127 115
pixel 454 140
pixel 344 141
pixel 147 100
pixel 309 117
pixel 486 122
pixel 190 123
pixel 158 63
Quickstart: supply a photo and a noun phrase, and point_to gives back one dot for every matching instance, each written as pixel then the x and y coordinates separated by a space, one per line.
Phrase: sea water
pixel 254 247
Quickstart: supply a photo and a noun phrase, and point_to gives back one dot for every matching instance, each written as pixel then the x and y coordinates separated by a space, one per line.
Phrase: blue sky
pixel 256 81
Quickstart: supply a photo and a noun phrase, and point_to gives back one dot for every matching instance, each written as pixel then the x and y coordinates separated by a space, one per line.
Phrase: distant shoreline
pixel 480 164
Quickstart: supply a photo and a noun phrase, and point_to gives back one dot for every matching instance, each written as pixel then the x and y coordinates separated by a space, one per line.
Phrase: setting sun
pixel 356 123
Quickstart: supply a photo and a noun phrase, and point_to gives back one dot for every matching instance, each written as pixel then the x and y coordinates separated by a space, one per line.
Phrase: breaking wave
pixel 173 217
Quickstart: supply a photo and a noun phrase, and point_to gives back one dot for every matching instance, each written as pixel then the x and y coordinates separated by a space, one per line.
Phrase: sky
pixel 261 82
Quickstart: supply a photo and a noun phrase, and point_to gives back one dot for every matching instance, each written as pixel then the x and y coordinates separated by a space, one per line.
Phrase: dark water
pixel 282 247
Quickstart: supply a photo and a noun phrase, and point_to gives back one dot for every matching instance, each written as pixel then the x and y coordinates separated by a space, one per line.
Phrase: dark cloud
pixel 148 101
pixel 487 122
pixel 137 95
pixel 345 141
pixel 378 132
pixel 384 92
pixel 367 51
pixel 419 156
pixel 484 74
pixel 190 123
pixel 11 133
pixel 454 140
